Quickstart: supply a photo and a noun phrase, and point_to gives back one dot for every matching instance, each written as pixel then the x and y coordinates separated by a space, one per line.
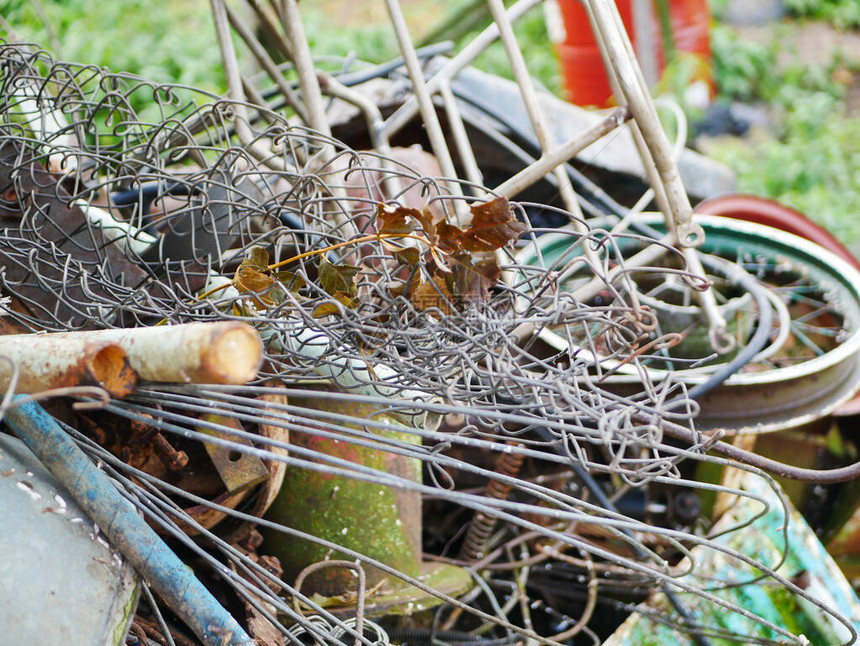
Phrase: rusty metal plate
pixel 238 470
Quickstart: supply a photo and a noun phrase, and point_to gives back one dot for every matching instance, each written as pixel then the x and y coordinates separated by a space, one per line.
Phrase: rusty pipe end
pixel 107 366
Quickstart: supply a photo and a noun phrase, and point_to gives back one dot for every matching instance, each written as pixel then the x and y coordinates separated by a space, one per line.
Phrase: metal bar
pixel 267 25
pixel 460 137
pixel 721 340
pixel 235 92
pixel 623 62
pixel 310 87
pixel 372 114
pixel 655 151
pixel 560 154
pixel 425 102
pixel 657 191
pixel 127 531
pixel 536 116
pixel 268 64
pixel 469 53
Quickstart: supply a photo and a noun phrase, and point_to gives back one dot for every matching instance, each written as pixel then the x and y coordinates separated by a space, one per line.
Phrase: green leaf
pixel 409 256
pixel 291 281
pixel 257 257
pixel 337 278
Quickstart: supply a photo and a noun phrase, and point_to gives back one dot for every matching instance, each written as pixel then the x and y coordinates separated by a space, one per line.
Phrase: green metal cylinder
pixel 380 522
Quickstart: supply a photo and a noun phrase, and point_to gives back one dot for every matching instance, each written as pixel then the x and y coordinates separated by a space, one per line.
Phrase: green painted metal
pixel 406 600
pixel 807 564
pixel 379 522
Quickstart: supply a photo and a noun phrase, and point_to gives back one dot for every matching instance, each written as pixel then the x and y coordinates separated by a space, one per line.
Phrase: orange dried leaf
pixel 396 220
pixel 334 307
pixel 250 280
pixel 426 220
pixel 432 294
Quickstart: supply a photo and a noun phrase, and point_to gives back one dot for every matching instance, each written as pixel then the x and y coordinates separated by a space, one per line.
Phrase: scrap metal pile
pixel 311 393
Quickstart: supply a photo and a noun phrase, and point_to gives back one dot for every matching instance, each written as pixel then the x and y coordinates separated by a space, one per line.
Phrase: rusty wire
pixel 188 198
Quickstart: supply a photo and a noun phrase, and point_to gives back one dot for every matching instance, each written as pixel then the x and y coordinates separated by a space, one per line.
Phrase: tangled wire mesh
pixel 402 368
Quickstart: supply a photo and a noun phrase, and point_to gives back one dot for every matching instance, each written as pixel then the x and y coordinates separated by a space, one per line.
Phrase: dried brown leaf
pixel 493 227
pixel 250 280
pixel 428 225
pixel 396 220
pixel 409 256
pixel 433 293
pixel 475 278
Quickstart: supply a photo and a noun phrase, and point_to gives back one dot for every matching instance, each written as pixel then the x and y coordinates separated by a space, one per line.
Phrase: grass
pixel 174 40
pixel 160 40
pixel 843 14
pixel 809 158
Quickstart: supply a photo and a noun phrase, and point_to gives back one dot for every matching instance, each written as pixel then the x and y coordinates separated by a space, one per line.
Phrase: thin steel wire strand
pixel 403 447
pixel 363 338
pixel 371 561
pixel 545 532
pixel 305 420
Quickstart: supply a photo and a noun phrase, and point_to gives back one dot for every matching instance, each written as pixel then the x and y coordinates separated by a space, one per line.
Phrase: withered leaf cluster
pixel 458 266
pixel 446 267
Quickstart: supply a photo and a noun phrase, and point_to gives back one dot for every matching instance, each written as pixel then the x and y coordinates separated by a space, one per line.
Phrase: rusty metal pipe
pixel 225 352
pixel 45 362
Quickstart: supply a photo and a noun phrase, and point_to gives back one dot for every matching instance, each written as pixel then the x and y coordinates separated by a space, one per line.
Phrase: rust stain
pixel 107 366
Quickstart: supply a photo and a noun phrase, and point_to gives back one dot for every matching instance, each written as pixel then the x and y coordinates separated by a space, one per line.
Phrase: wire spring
pixel 482 524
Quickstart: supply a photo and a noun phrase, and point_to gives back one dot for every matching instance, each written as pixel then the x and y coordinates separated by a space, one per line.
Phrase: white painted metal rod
pixel 560 154
pixel 223 352
pixel 49 361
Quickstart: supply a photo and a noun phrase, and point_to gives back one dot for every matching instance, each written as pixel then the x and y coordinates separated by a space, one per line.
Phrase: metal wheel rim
pixel 814 387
